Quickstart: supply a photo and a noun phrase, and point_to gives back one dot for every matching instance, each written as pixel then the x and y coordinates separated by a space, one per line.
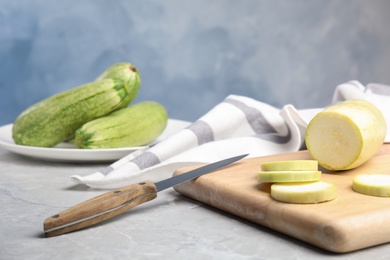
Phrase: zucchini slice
pixel 372 184
pixel 304 193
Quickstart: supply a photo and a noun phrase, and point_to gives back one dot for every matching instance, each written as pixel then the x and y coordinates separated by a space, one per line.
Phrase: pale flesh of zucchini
pixel 345 135
pixel 290 165
pixel 304 193
pixel 288 176
pixel 372 184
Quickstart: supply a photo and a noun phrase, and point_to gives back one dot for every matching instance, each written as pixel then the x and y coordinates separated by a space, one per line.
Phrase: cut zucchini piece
pixel 346 135
pixel 304 193
pixel 288 176
pixel 372 184
pixel 291 165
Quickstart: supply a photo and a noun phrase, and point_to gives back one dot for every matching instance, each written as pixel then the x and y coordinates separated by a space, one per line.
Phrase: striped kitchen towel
pixel 237 125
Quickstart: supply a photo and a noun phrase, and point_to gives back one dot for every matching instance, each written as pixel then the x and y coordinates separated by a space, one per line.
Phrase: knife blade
pixel 113 203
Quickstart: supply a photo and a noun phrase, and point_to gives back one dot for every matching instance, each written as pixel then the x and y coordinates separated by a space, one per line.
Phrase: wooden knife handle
pixel 99 208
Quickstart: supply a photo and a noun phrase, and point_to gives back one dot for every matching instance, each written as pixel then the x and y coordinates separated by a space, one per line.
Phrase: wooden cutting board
pixel 352 221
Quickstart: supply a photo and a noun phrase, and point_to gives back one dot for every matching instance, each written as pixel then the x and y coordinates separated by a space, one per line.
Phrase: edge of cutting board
pixel 352 221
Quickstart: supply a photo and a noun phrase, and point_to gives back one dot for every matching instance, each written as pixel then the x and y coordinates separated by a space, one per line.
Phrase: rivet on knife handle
pixel 115 202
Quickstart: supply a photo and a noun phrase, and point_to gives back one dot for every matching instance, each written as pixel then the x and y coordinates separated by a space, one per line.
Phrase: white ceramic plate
pixel 69 153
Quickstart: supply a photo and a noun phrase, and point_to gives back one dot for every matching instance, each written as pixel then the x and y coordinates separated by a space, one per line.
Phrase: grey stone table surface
pixel 169 227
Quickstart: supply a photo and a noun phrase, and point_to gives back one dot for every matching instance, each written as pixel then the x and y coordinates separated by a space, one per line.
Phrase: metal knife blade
pixel 113 203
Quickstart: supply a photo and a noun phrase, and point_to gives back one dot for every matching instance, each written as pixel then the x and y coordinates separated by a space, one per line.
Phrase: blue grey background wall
pixel 192 54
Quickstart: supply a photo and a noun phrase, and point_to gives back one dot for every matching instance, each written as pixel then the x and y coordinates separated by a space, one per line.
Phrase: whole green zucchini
pixel 55 119
pixel 135 125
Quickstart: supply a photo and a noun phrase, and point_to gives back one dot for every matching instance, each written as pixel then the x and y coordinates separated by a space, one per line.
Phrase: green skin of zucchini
pixel 135 125
pixel 123 71
pixel 56 118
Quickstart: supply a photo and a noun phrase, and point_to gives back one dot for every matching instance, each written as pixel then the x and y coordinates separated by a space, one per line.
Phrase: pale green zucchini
pixel 55 119
pixel 135 125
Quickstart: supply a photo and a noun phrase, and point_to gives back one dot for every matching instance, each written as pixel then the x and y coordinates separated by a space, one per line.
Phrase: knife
pixel 113 203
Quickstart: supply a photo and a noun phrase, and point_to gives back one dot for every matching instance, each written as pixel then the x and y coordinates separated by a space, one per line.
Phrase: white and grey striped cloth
pixel 238 125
